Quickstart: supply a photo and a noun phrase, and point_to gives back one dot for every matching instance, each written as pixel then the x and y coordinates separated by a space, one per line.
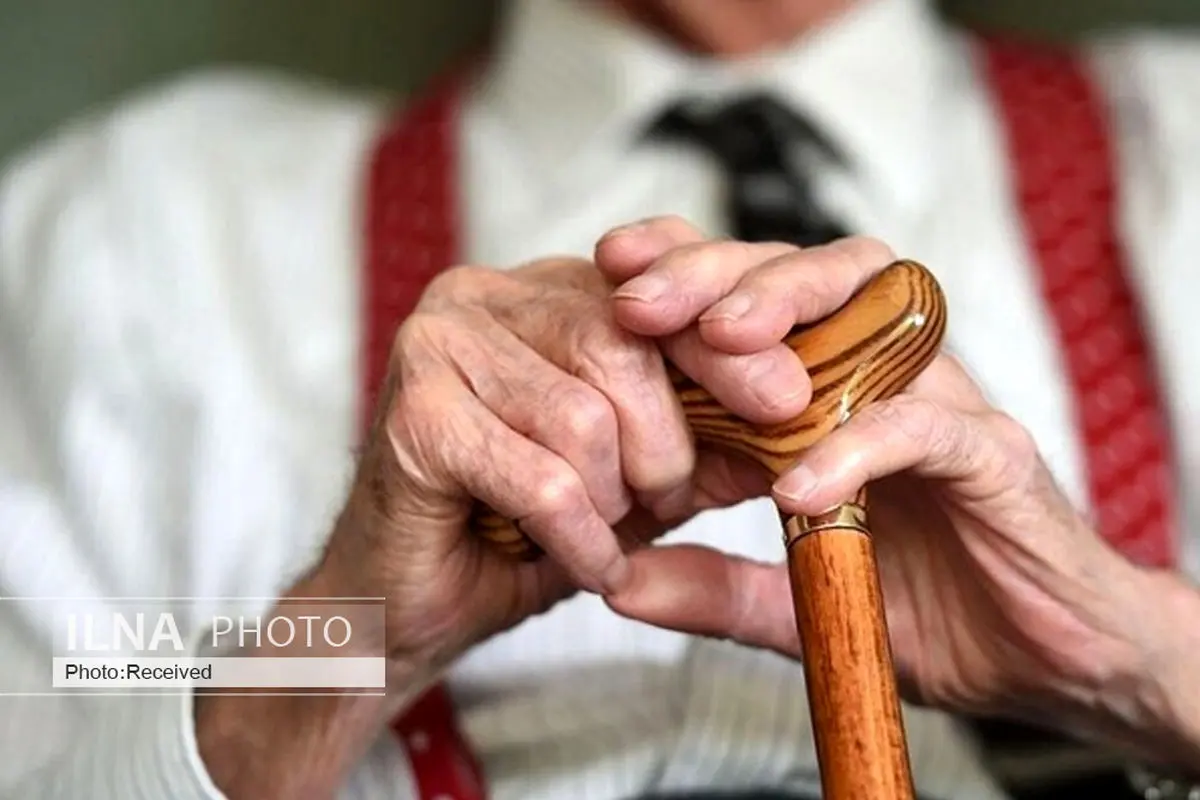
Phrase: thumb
pixel 702 591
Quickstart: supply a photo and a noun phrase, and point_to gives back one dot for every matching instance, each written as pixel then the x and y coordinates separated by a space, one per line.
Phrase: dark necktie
pixel 755 140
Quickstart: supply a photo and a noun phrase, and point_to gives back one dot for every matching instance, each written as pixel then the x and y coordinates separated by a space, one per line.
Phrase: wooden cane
pixel 868 350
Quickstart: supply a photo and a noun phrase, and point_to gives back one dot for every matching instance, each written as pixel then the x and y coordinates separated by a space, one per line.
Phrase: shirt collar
pixel 570 79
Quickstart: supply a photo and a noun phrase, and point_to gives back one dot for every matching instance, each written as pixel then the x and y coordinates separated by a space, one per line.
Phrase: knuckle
pixel 1017 438
pixel 810 290
pixel 558 491
pixel 457 280
pixel 911 417
pixel 674 221
pixel 603 557
pixel 608 354
pixel 745 608
pixel 422 332
pixel 582 412
pixel 563 271
pixel 863 251
pixel 1018 449
pixel 670 223
pixel 411 426
pixel 703 259
pixel 921 425
pixel 413 411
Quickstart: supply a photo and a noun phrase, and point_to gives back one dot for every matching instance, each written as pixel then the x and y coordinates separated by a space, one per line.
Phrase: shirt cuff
pixel 162 758
pixel 146 750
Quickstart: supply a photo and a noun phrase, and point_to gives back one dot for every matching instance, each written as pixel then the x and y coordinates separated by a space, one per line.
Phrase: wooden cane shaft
pixel 851 681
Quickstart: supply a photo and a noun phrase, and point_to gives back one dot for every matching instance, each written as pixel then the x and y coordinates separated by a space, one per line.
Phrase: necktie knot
pixel 754 139
pixel 751 131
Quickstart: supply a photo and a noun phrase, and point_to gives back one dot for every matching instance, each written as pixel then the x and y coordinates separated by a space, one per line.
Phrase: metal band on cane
pixel 850 516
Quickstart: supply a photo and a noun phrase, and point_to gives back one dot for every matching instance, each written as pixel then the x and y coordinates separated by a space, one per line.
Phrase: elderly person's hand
pixel 1000 597
pixel 523 389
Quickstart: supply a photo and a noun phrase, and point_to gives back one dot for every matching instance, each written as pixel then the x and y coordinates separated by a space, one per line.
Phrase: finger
pixel 538 400
pixel 576 333
pixel 440 421
pixel 766 387
pixel 629 250
pixel 702 591
pixel 656 452
pixel 722 479
pixel 904 433
pixel 800 286
pixel 676 289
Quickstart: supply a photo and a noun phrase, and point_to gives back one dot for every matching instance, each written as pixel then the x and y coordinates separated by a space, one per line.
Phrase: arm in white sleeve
pixel 76 475
pixel 124 450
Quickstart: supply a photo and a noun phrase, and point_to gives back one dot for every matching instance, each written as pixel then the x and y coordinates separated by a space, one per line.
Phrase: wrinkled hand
pixel 534 392
pixel 1000 598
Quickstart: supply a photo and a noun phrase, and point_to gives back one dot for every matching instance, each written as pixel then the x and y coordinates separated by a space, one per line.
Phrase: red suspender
pixel 412 234
pixel 1063 168
pixel 1064 185
pixel 411 222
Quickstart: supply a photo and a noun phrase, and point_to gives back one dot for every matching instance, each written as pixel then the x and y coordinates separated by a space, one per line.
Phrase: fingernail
pixel 732 308
pixel 797 484
pixel 646 288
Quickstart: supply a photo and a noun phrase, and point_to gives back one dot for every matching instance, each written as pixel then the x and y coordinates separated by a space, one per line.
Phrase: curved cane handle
pixel 868 350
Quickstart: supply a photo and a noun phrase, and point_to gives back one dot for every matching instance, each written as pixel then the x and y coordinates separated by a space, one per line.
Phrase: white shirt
pixel 179 345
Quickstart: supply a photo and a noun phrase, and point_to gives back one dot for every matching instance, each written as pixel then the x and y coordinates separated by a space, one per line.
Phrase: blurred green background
pixel 58 57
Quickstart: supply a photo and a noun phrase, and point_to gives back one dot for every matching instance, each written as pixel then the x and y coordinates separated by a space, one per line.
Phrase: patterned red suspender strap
pixel 412 234
pixel 1064 179
pixel 411 222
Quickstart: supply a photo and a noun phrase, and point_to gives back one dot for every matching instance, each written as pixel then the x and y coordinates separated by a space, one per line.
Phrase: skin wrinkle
pixel 948 695
pixel 945 596
pixel 412 457
pixel 606 345
pixel 570 417
pixel 743 605
pixel 1032 570
pixel 634 384
pixel 622 367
